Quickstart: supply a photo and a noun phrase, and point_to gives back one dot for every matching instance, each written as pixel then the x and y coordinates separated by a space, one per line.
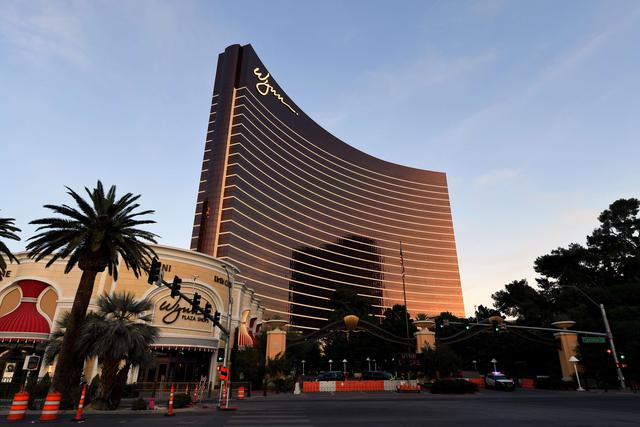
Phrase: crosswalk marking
pixel 270 417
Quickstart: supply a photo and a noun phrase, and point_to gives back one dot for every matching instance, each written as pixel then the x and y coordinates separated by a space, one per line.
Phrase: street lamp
pixel 375 365
pixel 574 361
pixel 369 362
pixel 607 330
pixel 344 363
pixel 475 365
pixel 330 364
pixel 494 361
pixel 303 362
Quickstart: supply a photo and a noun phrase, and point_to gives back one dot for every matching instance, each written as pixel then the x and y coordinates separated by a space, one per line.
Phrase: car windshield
pixel 500 377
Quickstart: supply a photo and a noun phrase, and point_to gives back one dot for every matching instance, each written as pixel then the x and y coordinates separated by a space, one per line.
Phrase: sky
pixel 531 108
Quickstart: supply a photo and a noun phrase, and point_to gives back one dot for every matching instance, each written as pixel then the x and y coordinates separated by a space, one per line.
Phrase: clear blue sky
pixel 531 108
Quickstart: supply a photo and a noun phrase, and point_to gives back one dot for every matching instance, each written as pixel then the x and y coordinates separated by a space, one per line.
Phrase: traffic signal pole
pixel 227 333
pixel 613 347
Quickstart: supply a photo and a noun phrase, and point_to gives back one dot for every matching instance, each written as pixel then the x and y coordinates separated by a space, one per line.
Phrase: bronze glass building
pixel 302 214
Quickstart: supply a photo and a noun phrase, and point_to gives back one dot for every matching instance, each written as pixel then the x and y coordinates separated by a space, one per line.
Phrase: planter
pixel 274 324
pixel 424 324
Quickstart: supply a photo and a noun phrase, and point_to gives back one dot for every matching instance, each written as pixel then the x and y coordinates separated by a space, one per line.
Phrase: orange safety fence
pixel 527 383
pixel 310 387
pixel 346 386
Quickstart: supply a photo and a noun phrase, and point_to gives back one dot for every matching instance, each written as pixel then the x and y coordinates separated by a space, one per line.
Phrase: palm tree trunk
pixel 108 381
pixel 69 366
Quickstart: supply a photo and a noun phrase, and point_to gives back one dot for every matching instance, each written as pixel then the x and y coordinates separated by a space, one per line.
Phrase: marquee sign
pixel 264 88
pixel 178 313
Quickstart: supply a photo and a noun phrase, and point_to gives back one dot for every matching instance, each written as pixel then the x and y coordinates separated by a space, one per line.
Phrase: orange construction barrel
pixel 18 406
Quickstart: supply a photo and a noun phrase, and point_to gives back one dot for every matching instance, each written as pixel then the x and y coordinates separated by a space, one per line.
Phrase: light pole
pixel 494 361
pixel 607 330
pixel 574 361
pixel 303 362
pixel 228 336
pixel 330 365
pixel 475 365
pixel 369 362
pixel 344 363
pixel 375 365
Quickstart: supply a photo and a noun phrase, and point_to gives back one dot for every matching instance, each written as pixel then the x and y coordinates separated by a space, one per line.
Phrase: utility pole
pixel 613 347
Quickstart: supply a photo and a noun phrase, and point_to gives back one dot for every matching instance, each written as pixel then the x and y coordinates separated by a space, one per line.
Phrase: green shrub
pixel 181 400
pixel 139 404
pixel 453 386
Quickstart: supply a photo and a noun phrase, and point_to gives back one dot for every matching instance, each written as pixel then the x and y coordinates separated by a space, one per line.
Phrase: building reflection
pixel 353 262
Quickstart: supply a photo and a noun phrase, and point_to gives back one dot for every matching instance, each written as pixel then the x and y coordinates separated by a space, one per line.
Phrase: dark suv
pixel 376 375
pixel 331 376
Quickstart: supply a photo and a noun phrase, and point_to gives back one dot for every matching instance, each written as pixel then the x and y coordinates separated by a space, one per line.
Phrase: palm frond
pixel 7 231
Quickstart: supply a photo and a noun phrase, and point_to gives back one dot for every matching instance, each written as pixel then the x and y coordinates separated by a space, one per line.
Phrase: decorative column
pixel 276 337
pixel 425 336
pixel 568 344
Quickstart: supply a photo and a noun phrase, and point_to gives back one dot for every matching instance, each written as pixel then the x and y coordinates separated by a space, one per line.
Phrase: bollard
pixel 170 409
pixel 18 406
pixel 51 406
pixel 79 416
pixel 240 393
pixel 223 400
pixel 195 395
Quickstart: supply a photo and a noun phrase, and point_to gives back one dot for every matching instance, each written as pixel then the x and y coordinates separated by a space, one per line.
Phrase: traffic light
pixel 155 273
pixel 207 309
pixel 224 373
pixel 175 287
pixel 503 327
pixel 220 356
pixel 216 318
pixel 608 351
pixel 445 322
pixel 622 357
pixel 195 305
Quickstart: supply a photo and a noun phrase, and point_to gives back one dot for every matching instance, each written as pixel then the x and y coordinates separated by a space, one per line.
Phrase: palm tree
pixel 7 231
pixel 94 237
pixel 118 334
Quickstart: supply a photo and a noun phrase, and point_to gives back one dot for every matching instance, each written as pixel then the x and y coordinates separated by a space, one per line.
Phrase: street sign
pixel 31 363
pixel 593 340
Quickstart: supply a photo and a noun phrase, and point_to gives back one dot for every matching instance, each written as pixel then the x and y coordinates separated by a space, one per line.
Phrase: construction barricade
pixel 51 406
pixel 18 406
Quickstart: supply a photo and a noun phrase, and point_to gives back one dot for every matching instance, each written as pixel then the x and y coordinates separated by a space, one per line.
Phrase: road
pixel 488 408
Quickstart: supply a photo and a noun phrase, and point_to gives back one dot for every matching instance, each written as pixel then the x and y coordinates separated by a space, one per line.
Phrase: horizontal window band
pixel 363 227
pixel 446 212
pixel 432 217
pixel 318 239
pixel 236 261
pixel 381 271
pixel 359 188
pixel 411 262
pixel 447 244
pixel 329 153
pixel 372 279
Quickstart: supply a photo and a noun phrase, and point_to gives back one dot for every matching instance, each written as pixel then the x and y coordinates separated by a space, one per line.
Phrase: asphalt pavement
pixel 487 408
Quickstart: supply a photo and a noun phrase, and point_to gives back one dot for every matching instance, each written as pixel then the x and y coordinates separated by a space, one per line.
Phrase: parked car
pixel 376 375
pixel 331 376
pixel 499 381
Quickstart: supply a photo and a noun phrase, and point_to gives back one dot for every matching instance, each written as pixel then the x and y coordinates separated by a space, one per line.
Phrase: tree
pixel 7 231
pixel 94 237
pixel 118 333
pixel 440 361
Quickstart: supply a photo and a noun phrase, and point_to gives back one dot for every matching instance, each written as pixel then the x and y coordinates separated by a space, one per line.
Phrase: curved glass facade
pixel 301 213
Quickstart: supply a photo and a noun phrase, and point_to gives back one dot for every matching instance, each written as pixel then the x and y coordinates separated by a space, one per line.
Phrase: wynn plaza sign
pixel 178 313
pixel 264 88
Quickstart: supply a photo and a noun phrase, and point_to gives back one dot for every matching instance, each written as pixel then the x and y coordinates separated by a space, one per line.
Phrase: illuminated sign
pixel 264 88
pixel 171 311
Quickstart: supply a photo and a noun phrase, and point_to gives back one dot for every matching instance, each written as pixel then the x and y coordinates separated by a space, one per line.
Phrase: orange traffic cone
pixel 51 406
pixel 18 406
pixel 79 416
pixel 170 410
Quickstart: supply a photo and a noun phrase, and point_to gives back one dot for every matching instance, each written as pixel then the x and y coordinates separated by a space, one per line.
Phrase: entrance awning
pixel 25 323
pixel 185 343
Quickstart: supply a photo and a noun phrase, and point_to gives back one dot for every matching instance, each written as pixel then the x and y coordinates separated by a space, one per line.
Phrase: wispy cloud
pixel 495 177
pixel 43 31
